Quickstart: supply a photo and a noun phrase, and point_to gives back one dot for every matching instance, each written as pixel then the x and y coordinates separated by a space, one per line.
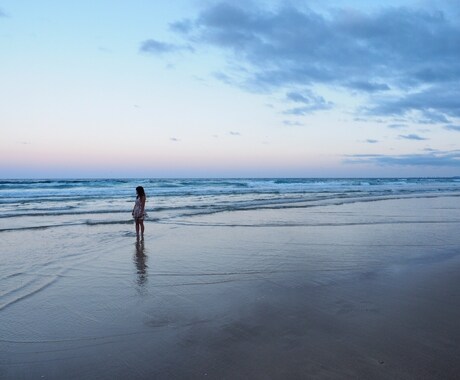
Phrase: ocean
pixel 31 204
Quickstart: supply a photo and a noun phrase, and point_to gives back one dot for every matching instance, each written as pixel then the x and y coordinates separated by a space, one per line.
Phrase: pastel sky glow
pixel 196 88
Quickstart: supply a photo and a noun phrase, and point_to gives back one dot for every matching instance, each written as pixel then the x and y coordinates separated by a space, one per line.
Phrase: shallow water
pixel 236 245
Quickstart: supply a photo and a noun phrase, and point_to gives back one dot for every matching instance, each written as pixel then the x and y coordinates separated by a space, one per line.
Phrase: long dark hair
pixel 140 191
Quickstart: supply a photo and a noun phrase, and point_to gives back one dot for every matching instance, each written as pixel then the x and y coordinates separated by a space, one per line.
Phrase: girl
pixel 139 210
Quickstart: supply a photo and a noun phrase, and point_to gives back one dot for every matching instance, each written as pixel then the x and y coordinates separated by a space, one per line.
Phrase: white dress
pixel 138 213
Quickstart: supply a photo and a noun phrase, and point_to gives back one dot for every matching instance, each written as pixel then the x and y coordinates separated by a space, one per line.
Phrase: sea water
pixel 31 204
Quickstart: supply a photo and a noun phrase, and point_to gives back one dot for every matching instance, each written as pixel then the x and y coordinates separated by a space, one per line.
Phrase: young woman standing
pixel 139 210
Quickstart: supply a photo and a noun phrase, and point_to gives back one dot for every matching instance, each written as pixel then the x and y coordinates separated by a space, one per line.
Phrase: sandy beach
pixel 366 290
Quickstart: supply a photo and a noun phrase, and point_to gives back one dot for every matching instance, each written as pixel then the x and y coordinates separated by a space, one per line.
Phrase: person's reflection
pixel 140 260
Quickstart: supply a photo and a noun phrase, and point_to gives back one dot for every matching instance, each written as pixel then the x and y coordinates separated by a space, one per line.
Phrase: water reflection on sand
pixel 140 261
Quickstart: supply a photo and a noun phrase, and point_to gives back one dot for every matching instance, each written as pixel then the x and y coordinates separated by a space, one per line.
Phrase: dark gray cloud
pixel 309 103
pixel 412 136
pixel 397 126
pixel 413 51
pixel 434 104
pixel 452 128
pixel 184 26
pixel 432 117
pixel 432 158
pixel 155 47
pixel 368 86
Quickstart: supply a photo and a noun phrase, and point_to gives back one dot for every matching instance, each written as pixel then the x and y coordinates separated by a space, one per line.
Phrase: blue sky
pixel 229 89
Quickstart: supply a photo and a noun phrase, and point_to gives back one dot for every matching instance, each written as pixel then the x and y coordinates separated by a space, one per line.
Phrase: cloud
pixel 372 141
pixel 3 14
pixel 452 128
pixel 432 158
pixel 368 86
pixel 434 104
pixel 184 26
pixel 156 47
pixel 103 49
pixel 233 133
pixel 432 117
pixel 412 137
pixel 174 139
pixel 411 52
pixel 224 78
pixel 397 126
pixel 292 123
pixel 310 103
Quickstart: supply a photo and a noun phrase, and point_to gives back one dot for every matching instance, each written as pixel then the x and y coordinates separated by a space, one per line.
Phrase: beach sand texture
pixel 366 290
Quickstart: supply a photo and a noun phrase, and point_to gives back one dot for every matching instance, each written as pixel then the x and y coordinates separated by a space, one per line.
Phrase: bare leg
pixel 137 228
pixel 141 222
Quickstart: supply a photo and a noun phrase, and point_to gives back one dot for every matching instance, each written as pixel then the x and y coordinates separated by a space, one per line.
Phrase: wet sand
pixel 365 290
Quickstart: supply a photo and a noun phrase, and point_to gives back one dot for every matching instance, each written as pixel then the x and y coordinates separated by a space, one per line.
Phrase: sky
pixel 197 88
